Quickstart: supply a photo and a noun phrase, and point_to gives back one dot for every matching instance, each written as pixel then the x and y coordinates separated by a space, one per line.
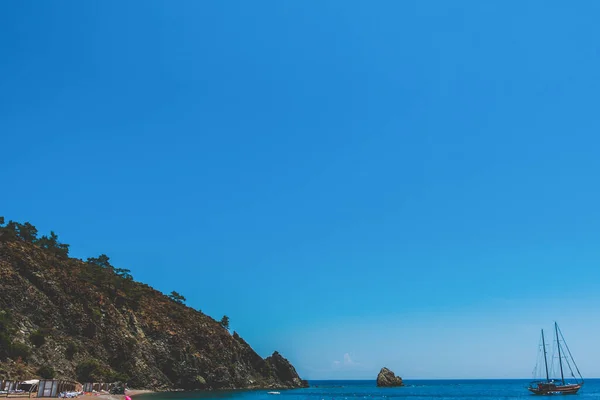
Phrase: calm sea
pixel 367 390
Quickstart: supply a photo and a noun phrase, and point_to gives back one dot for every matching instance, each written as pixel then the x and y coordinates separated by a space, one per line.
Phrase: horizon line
pixel 439 379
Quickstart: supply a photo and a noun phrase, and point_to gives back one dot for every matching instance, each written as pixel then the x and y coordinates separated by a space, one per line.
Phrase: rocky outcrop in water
pixel 387 378
pixel 85 321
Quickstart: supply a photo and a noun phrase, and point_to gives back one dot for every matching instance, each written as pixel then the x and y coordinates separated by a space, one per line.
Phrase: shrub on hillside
pixel 37 338
pixel 90 371
pixel 176 297
pixel 46 372
pixel 19 350
pixel 225 322
pixel 71 350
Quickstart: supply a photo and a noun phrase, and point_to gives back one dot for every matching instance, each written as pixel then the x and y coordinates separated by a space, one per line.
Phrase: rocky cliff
pixel 79 320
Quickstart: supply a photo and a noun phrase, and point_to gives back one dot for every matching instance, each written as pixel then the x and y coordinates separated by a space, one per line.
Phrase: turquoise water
pixel 367 390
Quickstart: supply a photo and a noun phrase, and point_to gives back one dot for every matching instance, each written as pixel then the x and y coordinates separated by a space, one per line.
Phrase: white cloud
pixel 348 359
pixel 347 362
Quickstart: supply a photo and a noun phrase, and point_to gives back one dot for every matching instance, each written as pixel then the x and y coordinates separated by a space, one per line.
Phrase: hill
pixel 89 321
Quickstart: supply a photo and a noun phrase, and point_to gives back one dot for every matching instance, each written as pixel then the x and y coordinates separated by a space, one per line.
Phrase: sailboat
pixel 557 386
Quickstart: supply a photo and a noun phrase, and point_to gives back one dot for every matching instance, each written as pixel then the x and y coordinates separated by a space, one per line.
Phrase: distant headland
pixel 89 321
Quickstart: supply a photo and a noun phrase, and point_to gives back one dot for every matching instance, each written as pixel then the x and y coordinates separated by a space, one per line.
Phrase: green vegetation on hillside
pixel 177 298
pixel 225 322
pixel 118 283
pixel 10 348
pixel 28 233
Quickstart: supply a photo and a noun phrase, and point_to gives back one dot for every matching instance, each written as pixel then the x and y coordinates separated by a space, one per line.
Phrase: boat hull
pixel 551 388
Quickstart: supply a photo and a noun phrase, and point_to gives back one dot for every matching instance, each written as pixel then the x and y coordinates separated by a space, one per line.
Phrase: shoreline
pixel 129 392
pixel 137 392
pixel 104 396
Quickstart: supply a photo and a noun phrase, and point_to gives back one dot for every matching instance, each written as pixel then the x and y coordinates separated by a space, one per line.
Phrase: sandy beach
pixel 130 393
pixel 104 396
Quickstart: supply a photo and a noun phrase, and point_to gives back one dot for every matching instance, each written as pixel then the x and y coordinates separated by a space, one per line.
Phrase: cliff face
pixel 88 322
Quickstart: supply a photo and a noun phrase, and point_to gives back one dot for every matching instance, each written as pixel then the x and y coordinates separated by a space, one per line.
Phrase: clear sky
pixel 357 184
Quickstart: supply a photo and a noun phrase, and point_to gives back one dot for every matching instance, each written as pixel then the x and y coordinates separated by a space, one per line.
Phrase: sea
pixel 368 390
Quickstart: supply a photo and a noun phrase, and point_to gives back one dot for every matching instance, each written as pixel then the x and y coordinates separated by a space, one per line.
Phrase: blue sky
pixel 356 184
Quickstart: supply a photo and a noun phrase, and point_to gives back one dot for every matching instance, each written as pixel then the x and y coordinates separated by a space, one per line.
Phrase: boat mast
pixel 562 375
pixel 571 355
pixel 545 360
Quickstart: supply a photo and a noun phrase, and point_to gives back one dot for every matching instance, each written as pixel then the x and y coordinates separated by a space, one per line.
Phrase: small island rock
pixel 387 378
